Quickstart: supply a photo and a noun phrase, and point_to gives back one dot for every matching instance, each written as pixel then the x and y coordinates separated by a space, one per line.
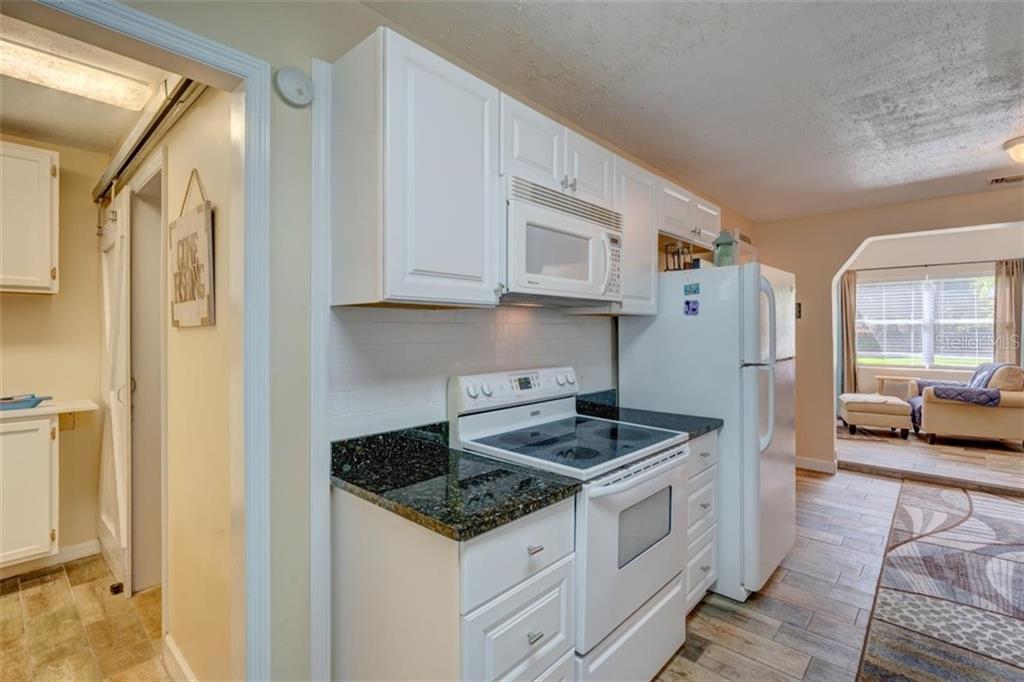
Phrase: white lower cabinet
pixel 523 632
pixel 28 489
pixel 702 531
pixel 408 603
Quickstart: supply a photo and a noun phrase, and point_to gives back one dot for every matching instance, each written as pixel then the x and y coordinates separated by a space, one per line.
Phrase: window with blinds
pixel 934 317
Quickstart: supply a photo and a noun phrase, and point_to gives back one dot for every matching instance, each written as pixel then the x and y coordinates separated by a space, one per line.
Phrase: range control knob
pixel 560 379
pixel 571 379
pixel 471 391
pixel 487 390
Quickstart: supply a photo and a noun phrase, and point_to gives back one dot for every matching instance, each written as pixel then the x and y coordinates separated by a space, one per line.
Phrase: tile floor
pixel 809 621
pixel 992 466
pixel 62 623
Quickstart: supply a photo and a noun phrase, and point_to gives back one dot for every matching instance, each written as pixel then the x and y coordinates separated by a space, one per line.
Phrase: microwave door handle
pixel 640 478
pixel 607 261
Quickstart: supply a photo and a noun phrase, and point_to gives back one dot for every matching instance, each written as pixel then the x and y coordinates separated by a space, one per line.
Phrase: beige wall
pixel 198 405
pixel 51 344
pixel 816 247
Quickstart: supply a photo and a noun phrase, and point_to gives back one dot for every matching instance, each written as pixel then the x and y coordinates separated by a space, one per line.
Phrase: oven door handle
pixel 640 478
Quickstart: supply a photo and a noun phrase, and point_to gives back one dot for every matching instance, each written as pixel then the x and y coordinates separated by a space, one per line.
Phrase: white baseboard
pixel 820 465
pixel 175 662
pixel 64 554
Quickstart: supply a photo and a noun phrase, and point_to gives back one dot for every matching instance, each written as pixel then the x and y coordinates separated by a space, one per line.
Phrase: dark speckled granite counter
pixel 604 404
pixel 457 494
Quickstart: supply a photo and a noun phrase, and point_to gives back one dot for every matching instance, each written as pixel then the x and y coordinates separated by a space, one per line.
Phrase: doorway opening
pixel 927 339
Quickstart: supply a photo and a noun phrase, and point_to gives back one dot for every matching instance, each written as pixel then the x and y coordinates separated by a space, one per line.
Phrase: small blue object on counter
pixel 25 401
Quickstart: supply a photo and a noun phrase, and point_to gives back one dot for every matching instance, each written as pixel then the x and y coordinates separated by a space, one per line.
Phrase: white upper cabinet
pixel 532 145
pixel 416 180
pixel 677 211
pixel 28 218
pixel 708 221
pixel 636 197
pixel 538 149
pixel 590 170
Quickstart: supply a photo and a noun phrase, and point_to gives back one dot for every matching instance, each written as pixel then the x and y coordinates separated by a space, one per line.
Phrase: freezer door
pixel 784 285
pixel 769 475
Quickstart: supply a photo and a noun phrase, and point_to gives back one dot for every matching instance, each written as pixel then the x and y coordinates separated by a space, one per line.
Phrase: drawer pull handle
pixel 705 454
pixel 705 568
pixel 705 505
pixel 534 637
pixel 534 549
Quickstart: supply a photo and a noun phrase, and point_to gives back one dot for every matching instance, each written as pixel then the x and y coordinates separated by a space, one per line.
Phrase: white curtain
pixel 1009 284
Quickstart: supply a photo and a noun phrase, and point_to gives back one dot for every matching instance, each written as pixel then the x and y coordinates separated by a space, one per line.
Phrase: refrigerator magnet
pixel 691 289
pixel 691 307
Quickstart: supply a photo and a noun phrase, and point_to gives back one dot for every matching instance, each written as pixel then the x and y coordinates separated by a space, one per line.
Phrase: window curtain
pixel 848 303
pixel 1009 284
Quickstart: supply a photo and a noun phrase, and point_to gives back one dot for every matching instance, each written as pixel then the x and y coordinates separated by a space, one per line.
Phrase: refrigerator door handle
pixel 766 289
pixel 766 439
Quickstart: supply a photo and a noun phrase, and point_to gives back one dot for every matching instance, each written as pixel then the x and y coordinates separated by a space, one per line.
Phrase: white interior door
pixel 115 455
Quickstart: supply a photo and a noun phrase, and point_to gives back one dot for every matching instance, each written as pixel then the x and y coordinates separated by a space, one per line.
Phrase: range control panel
pixel 475 392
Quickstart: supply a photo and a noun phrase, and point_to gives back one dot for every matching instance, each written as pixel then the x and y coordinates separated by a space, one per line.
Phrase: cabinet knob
pixel 705 505
pixel 705 454
pixel 572 185
pixel 534 549
pixel 705 568
pixel 534 637
pixel 565 182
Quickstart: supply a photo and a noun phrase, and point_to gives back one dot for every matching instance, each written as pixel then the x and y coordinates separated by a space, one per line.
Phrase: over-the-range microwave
pixel 560 250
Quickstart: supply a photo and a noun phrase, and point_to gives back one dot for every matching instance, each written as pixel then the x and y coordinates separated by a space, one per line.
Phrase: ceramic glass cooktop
pixel 577 442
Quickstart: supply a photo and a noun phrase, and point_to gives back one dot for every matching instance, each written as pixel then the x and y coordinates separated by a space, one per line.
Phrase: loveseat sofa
pixel 990 405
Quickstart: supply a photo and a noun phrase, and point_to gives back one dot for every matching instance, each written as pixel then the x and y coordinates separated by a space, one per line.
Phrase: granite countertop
pixel 605 404
pixel 414 474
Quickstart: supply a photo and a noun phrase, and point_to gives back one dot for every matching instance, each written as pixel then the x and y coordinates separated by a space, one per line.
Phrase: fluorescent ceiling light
pixel 1015 148
pixel 60 73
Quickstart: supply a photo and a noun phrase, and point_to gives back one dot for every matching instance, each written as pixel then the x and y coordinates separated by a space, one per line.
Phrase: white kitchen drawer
pixel 564 670
pixel 495 561
pixel 526 629
pixel 702 506
pixel 705 452
pixel 702 569
pixel 637 649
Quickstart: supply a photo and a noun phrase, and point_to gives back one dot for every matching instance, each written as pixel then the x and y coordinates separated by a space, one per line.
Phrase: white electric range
pixel 630 515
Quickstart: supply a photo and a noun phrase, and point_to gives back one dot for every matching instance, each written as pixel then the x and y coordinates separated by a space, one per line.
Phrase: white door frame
pixel 250 379
pixel 319 327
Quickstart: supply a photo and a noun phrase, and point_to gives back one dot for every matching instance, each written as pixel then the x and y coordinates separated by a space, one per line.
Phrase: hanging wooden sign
pixel 191 261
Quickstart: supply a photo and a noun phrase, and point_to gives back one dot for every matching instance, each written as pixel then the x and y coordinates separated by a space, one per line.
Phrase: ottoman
pixel 875 409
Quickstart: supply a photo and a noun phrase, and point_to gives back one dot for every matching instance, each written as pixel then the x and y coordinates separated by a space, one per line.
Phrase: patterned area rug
pixel 950 599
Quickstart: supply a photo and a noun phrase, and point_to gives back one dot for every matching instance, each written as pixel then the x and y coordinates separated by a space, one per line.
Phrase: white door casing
pixel 115 453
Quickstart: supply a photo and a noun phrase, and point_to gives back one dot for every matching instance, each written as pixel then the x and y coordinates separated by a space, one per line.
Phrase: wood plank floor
pixel 810 620
pixel 991 466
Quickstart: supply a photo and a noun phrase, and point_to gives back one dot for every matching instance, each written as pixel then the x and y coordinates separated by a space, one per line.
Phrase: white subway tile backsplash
pixel 389 368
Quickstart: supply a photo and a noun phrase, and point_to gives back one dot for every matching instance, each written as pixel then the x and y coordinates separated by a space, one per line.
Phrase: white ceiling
pixel 47 115
pixel 777 110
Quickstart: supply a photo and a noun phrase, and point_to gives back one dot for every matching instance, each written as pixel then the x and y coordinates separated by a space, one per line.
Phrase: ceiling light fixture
pixel 60 73
pixel 1015 148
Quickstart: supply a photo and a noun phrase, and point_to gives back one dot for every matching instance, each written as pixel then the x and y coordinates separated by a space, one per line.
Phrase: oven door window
pixel 644 524
pixel 552 253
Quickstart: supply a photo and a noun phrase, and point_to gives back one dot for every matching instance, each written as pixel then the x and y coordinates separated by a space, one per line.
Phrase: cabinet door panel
pixel 28 214
pixel 442 208
pixel 709 221
pixel 591 168
pixel 677 211
pixel 532 145
pixel 637 200
pixel 28 480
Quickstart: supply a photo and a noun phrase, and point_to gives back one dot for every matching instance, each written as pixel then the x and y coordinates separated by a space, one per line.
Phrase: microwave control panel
pixel 614 265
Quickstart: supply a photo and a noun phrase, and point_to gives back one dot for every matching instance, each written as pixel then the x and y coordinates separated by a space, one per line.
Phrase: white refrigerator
pixel 724 345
